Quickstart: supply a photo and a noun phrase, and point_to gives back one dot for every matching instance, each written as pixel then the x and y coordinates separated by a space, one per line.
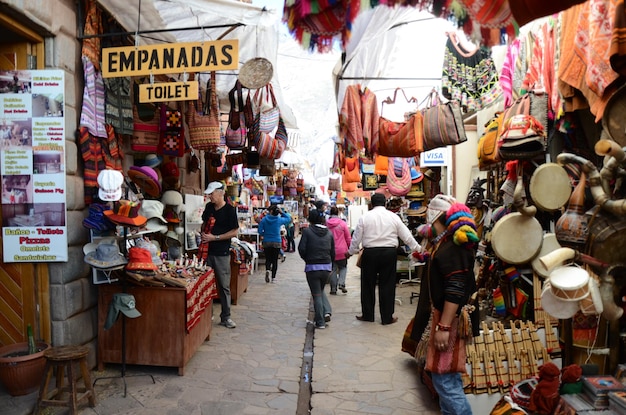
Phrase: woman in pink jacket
pixel 341 233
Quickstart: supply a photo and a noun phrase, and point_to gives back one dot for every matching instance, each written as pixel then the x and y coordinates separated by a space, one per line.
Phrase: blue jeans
pixel 317 280
pixel 452 398
pixel 221 268
pixel 338 275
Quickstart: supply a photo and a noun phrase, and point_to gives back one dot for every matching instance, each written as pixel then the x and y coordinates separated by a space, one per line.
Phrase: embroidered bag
pixel 268 116
pixel 443 123
pixel 401 139
pixel 172 139
pixel 268 146
pixel 453 358
pixel 236 131
pixel 204 128
pixel 145 124
pixel 522 138
pixel 399 186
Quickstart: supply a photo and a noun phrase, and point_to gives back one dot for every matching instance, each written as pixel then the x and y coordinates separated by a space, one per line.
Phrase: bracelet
pixel 442 327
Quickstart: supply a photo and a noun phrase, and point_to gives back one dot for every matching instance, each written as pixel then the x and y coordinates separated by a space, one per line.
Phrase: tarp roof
pixel 255 27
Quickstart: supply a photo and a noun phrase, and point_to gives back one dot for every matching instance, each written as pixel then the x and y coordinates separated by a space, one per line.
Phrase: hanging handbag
pixel 488 154
pixel 172 139
pixel 401 139
pixel 145 133
pixel 443 123
pixel 236 130
pixel 268 119
pixel 234 159
pixel 267 167
pixel 269 146
pixel 204 128
pixel 346 185
pixel 522 138
pixel 351 170
pixel 534 102
pixel 399 186
pixel 381 164
pixel 300 183
pixel 334 184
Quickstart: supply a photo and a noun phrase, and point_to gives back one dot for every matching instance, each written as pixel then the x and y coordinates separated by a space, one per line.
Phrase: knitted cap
pixel 460 223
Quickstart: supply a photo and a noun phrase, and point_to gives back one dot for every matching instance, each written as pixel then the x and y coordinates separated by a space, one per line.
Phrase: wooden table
pixel 238 281
pixel 159 337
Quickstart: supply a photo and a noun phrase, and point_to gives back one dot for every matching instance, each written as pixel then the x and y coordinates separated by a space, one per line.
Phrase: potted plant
pixel 22 365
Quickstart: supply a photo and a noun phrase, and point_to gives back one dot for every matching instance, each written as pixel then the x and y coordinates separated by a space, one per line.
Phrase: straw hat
pixel 256 73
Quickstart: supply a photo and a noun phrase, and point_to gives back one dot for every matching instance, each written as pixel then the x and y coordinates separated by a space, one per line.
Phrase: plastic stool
pixel 62 357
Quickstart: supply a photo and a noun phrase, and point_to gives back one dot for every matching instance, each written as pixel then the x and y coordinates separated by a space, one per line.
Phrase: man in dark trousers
pixel 377 232
pixel 219 225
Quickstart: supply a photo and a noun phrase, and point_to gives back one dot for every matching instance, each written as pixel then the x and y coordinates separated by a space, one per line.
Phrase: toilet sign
pixel 435 158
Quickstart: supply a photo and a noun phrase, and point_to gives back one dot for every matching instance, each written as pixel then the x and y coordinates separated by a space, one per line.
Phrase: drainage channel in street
pixel 304 394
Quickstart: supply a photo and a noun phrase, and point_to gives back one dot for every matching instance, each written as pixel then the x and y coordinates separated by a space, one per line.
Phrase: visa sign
pixel 435 157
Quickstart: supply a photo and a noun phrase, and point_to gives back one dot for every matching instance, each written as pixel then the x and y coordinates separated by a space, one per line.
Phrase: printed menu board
pixel 32 166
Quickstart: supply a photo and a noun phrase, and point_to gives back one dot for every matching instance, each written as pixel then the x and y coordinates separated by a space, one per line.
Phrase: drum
pixel 516 238
pixel 592 303
pixel 569 283
pixel 550 187
pixel 554 306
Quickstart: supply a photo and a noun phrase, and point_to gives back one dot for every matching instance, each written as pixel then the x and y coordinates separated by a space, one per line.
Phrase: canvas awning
pixel 173 21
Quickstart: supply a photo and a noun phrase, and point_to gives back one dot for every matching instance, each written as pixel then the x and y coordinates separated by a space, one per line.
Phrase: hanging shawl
pixel 98 154
pixel 93 26
pixel 359 122
pixel 315 23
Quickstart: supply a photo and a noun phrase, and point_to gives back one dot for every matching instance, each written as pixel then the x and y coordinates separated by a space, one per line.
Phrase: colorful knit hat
pixel 461 225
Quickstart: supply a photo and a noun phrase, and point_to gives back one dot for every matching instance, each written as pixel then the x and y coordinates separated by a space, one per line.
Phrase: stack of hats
pixel 153 211
pixel 416 194
pixel 97 221
pixel 173 202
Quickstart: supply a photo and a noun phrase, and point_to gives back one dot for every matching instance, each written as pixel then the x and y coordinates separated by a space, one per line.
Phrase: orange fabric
pixel 351 170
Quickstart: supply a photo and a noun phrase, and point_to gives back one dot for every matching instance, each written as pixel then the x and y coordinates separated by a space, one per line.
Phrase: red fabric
pixel 199 295
pixel 203 248
pixel 545 397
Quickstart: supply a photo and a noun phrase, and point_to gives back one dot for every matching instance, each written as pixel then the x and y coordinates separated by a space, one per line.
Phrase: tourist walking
pixel 341 233
pixel 269 230
pixel 317 249
pixel 377 232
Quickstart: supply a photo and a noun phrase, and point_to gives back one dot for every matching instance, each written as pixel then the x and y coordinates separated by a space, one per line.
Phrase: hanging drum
pixel 569 283
pixel 554 306
pixel 571 228
pixel 614 115
pixel 550 187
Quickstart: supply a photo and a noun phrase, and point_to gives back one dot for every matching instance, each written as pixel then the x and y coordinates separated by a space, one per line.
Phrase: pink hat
pixel 146 178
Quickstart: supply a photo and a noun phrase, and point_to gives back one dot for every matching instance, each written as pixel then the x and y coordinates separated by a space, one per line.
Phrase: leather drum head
pixel 517 238
pixel 614 117
pixel 550 187
pixel 549 244
pixel 555 306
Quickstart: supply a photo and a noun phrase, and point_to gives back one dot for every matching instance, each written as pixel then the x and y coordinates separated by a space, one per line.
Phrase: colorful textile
pixel 617 51
pixel 93 109
pixel 359 122
pixel 98 154
pixel 584 65
pixel 200 292
pixel 470 78
pixel 507 74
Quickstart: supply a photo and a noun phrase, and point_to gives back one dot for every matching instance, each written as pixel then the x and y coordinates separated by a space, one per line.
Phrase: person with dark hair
pixel 317 249
pixel 269 230
pixel 342 236
pixel 377 232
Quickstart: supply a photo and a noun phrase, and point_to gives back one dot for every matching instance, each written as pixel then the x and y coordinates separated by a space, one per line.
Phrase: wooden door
pixel 24 288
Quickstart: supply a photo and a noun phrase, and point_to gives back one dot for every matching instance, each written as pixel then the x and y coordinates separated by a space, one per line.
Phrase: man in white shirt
pixel 377 232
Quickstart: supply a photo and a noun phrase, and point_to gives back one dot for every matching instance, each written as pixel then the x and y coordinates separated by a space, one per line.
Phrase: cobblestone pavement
pixel 256 368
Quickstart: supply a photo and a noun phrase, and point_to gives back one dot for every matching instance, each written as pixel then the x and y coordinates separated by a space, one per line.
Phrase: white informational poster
pixel 32 166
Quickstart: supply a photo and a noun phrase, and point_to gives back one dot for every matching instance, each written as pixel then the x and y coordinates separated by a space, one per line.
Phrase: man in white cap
pixel 377 232
pixel 219 225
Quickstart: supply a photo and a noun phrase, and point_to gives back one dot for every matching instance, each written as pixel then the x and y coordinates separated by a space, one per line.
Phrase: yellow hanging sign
pixel 170 58
pixel 168 91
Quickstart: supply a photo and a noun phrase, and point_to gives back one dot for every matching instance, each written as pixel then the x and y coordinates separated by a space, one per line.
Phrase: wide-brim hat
pixel 152 160
pixel 126 212
pixel 416 175
pixel 152 209
pixel 154 251
pixel 104 254
pixel 140 259
pixel 146 178
pixel 256 73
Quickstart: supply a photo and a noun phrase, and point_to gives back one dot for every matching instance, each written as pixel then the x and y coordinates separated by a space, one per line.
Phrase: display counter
pixel 238 279
pixel 174 322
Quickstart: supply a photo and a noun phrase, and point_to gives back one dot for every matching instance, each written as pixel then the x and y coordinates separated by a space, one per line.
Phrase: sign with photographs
pixel 32 166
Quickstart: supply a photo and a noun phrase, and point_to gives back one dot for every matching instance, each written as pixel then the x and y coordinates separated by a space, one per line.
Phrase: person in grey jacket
pixel 317 249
